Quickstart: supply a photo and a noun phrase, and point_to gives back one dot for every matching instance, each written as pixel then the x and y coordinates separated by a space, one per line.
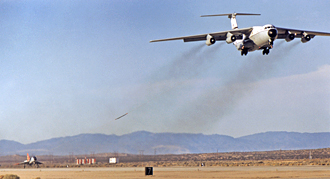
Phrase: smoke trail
pixel 216 103
pixel 178 73
pixel 187 65
pixel 179 67
pixel 175 75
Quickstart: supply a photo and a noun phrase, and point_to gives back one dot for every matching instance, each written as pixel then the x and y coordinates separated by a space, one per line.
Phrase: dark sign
pixel 149 171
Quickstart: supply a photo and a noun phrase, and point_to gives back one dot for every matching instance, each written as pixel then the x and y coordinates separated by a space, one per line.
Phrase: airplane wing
pixel 36 162
pixel 21 163
pixel 216 35
pixel 282 32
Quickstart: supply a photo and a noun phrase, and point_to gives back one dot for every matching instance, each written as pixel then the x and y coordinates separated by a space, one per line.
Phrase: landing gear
pixel 244 52
pixel 271 43
pixel 265 51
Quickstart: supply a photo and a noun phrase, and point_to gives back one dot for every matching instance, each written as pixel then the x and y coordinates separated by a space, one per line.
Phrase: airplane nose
pixel 272 33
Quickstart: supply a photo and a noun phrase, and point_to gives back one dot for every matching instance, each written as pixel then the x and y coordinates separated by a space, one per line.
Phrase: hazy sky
pixel 72 67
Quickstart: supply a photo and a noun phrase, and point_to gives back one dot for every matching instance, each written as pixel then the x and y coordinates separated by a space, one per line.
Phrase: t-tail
pixel 232 17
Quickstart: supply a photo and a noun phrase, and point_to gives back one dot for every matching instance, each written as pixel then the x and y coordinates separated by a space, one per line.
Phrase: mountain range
pixel 167 143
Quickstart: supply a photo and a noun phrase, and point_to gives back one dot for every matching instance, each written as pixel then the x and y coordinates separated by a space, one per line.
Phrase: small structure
pixel 85 161
pixel 113 160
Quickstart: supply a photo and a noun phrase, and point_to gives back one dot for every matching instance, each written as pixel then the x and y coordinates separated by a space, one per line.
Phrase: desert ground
pixel 174 172
pixel 269 164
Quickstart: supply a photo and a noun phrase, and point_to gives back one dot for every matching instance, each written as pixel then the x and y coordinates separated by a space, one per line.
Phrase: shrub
pixel 10 176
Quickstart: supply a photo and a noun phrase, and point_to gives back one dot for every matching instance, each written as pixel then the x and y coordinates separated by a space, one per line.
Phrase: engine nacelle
pixel 272 33
pixel 230 38
pixel 289 37
pixel 305 38
pixel 209 40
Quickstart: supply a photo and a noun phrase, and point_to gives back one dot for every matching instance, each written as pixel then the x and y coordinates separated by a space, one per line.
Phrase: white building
pixel 113 160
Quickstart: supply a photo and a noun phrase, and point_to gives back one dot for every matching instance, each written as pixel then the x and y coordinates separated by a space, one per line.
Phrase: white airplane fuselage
pixel 259 39
pixel 33 160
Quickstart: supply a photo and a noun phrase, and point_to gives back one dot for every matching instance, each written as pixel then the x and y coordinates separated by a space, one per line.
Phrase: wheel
pixel 265 51
pixel 244 52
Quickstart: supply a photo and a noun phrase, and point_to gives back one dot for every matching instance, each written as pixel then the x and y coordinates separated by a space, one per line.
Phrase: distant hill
pixel 168 143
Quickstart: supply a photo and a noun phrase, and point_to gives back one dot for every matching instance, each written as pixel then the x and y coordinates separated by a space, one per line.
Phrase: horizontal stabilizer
pixel 230 15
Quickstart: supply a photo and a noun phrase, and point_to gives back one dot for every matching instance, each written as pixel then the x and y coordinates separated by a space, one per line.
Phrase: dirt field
pixel 174 172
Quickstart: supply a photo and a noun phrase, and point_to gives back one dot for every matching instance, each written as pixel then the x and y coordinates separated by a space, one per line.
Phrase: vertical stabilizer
pixel 27 157
pixel 233 21
pixel 232 17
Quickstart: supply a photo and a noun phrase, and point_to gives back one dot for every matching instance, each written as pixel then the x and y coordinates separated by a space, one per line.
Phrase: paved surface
pixel 173 172
pixel 250 168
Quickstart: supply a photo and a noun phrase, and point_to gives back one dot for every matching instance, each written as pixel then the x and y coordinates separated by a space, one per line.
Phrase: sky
pixel 70 67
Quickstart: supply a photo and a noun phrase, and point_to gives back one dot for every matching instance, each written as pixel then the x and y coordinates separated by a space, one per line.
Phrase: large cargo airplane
pixel 251 38
pixel 30 161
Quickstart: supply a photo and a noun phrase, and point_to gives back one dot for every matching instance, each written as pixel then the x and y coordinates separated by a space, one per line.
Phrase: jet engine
pixel 272 33
pixel 230 38
pixel 289 37
pixel 305 38
pixel 209 40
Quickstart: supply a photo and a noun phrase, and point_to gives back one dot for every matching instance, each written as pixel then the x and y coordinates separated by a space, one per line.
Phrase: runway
pixel 173 172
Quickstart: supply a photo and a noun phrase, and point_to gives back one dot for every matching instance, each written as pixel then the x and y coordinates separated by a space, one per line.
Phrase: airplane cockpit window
pixel 269 27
